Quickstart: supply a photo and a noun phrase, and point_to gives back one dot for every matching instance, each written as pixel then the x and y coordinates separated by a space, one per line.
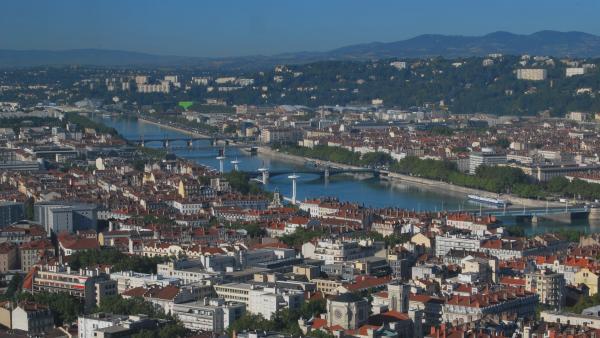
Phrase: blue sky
pixel 248 27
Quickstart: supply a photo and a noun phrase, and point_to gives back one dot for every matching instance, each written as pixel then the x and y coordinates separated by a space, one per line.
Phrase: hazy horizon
pixel 268 27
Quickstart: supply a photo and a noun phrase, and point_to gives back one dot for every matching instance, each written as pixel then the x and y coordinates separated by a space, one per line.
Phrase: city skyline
pixel 267 28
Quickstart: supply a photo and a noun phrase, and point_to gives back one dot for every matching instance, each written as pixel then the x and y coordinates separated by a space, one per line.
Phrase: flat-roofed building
pixel 212 315
pixel 10 212
pixel 259 299
pixel 532 74
pixel 91 286
pixel 550 287
pixel 486 157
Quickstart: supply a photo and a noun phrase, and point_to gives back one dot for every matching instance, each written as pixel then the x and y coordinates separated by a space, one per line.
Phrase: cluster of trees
pixel 300 236
pixel 171 330
pixel 134 306
pixel 119 260
pixel 285 321
pixel 240 181
pixel 16 123
pixel 65 307
pixel 583 303
pixel 493 179
pixel 84 122
pixel 390 240
pixel 13 288
pixel 575 188
pixel 255 230
pixel 571 235
pixel 130 306
pixel 211 108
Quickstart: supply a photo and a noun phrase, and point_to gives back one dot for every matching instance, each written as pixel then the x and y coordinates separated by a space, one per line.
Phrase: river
pixel 363 188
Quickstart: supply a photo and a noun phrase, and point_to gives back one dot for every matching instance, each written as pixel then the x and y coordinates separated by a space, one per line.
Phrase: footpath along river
pixel 362 188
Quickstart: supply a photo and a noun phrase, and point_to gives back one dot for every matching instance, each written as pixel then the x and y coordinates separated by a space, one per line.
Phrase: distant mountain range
pixel 575 44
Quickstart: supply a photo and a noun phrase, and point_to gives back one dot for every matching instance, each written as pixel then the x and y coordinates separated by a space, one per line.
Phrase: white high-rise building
pixel 573 71
pixel 532 74
pixel 486 157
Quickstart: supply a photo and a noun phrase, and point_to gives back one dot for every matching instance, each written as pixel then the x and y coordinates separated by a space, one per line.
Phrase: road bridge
pixel 262 175
pixel 533 214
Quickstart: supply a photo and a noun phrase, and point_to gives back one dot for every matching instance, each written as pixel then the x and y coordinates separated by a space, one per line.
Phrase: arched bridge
pixel 189 141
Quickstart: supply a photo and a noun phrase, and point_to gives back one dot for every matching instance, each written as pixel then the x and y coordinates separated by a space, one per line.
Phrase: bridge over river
pixel 561 214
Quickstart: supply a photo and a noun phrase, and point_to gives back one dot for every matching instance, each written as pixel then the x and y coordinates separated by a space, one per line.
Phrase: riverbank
pixel 424 183
pixel 172 127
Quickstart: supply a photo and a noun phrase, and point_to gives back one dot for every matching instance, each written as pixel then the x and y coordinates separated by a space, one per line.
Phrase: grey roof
pixel 347 298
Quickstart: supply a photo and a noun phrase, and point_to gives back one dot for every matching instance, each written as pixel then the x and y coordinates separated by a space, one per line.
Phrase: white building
pixel 32 318
pixel 338 251
pixel 532 74
pixel 486 157
pixel 214 315
pixel 318 208
pixel 443 244
pixel 260 300
pixel 398 65
pixel 110 325
pixel 550 287
pixel 573 71
pixel 128 280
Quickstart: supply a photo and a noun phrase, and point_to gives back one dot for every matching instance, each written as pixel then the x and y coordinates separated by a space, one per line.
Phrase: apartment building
pixel 91 286
pixel 487 157
pixel 260 299
pixel 280 135
pixel 443 244
pixel 8 257
pixel 32 317
pixel 532 74
pixel 30 253
pixel 333 251
pixel 129 279
pixel 510 301
pixel 211 315
pixel 549 287
pixel 574 71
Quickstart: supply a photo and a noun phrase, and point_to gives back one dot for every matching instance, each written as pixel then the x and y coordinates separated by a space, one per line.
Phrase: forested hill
pixel 560 44
pixel 463 85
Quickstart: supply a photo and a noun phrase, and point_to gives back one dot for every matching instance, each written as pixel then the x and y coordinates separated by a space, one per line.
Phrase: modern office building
pixel 10 212
pixel 64 216
pixel 487 157
pixel 260 300
pixel 211 315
